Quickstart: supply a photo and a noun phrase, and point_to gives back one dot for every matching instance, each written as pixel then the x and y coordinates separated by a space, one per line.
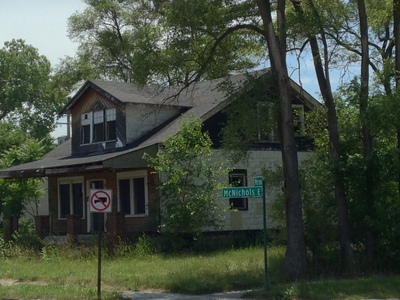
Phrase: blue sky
pixel 41 23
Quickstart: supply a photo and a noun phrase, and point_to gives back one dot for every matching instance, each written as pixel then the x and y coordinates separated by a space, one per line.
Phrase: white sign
pixel 100 200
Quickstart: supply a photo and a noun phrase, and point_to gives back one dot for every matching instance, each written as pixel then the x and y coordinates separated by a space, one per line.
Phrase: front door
pixel 94 219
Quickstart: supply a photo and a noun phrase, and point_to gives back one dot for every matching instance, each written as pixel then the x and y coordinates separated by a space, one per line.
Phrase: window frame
pixel 131 175
pixel 99 119
pixel 70 181
pixel 273 134
pixel 245 202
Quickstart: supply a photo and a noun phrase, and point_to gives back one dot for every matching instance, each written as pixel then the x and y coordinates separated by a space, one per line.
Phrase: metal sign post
pixel 100 202
pixel 259 181
pixel 256 191
pixel 99 225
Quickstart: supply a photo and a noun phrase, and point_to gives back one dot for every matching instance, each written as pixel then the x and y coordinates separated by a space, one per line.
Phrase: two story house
pixel 113 124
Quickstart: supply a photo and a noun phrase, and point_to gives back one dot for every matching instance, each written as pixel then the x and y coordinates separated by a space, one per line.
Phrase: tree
pixel 27 97
pixel 314 30
pixel 154 42
pixel 16 194
pixel 29 100
pixel 190 174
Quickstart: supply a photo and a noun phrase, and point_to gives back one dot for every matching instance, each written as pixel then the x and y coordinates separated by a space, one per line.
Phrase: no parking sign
pixel 100 200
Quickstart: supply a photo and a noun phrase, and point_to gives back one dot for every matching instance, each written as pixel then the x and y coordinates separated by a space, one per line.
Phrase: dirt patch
pixel 9 282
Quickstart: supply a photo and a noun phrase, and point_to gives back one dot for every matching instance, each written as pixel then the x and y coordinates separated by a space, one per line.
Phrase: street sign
pixel 243 192
pixel 100 200
pixel 258 181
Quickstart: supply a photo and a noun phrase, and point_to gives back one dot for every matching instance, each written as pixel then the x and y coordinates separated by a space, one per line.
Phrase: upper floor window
pixel 298 119
pixel 267 122
pixel 98 126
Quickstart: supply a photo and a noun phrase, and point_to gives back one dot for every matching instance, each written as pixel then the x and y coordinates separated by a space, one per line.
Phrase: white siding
pixel 141 118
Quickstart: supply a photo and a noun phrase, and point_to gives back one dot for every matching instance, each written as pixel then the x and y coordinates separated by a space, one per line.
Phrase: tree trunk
pixel 396 30
pixel 296 257
pixel 334 147
pixel 365 130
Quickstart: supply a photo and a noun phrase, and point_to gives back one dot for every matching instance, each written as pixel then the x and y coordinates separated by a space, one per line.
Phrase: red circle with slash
pixel 100 201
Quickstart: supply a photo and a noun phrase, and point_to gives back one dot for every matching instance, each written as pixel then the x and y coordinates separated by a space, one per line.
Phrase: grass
pixel 69 274
pixel 377 287
pixel 64 272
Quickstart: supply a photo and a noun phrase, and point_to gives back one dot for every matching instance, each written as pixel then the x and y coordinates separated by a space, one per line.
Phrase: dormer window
pixel 98 126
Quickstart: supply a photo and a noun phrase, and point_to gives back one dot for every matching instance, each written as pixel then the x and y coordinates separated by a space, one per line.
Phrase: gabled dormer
pixel 107 116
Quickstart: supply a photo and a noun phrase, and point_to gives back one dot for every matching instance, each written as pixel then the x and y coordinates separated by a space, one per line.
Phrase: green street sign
pixel 243 192
pixel 258 181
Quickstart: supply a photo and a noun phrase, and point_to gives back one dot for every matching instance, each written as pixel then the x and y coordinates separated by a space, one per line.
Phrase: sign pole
pixel 99 224
pixel 265 235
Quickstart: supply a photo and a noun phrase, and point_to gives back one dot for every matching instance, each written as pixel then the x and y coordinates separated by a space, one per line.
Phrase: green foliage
pixel 26 92
pixel 16 193
pixel 190 172
pixel 161 41
pixel 251 113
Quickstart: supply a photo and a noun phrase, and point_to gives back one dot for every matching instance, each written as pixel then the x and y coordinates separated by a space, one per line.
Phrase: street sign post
pixel 100 202
pixel 256 191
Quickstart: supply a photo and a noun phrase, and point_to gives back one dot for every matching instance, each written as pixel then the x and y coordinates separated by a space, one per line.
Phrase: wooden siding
pixel 133 224
pixel 93 101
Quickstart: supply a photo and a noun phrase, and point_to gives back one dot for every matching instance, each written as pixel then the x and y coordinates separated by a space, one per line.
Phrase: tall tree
pixel 365 129
pixel 322 70
pixel 163 42
pixel 396 33
pixel 296 257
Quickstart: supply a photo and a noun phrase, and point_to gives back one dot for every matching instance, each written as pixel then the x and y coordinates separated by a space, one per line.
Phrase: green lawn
pixel 67 273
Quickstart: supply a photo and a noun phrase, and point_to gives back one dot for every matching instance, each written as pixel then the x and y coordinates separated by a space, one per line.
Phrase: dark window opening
pixel 238 178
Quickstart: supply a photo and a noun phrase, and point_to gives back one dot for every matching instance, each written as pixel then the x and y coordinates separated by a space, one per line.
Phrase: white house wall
pixel 141 118
pixel 252 218
pixel 43 206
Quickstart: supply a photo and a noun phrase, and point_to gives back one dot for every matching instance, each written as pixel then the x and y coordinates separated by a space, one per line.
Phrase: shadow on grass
pixel 209 282
pixel 365 288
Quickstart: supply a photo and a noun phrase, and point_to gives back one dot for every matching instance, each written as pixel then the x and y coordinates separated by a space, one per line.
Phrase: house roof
pixel 203 99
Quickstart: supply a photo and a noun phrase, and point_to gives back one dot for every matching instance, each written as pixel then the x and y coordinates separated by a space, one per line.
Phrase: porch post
pixel 42 225
pixel 73 227
pixel 115 227
pixel 10 226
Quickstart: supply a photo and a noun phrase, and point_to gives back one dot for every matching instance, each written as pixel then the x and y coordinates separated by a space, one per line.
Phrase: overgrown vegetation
pixel 63 271
pixel 190 173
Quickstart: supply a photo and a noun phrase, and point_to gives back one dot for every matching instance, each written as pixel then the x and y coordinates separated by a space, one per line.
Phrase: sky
pixel 41 23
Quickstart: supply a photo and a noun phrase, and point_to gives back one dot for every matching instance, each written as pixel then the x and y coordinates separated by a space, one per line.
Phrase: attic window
pixel 298 119
pixel 98 126
pixel 268 128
